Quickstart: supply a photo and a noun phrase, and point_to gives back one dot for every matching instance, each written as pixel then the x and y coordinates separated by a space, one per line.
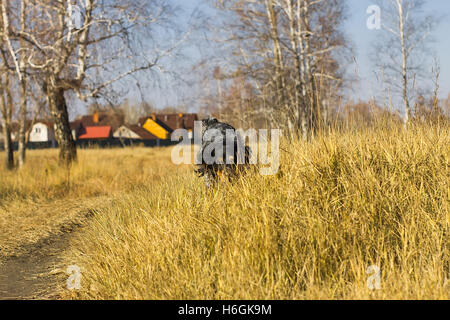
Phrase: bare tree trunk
pixel 63 135
pixel 304 67
pixel 294 39
pixel 23 94
pixel 309 80
pixel 7 142
pixel 20 70
pixel 5 109
pixel 22 123
pixel 404 62
pixel 277 55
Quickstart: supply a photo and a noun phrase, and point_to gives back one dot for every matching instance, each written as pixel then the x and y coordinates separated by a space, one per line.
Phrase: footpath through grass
pixel 42 200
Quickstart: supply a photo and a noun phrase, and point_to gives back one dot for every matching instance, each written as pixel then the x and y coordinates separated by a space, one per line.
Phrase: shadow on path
pixel 36 274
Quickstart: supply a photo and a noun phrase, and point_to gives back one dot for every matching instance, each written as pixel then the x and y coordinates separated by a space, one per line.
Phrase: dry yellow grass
pixel 339 204
pixel 43 199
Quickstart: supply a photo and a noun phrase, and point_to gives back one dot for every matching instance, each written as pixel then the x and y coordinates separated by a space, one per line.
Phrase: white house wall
pixel 41 133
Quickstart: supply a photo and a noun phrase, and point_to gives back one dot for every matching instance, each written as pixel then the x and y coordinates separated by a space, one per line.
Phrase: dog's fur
pixel 216 171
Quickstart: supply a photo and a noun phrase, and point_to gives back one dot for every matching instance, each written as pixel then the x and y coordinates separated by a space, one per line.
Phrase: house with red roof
pixel 82 127
pixel 95 133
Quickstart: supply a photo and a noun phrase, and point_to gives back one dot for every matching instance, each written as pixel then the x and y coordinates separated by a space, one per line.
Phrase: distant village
pixel 105 130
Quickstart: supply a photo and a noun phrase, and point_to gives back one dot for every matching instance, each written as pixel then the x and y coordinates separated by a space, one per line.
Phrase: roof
pixel 173 121
pixel 104 119
pixel 178 120
pixel 189 120
pixel 137 131
pixel 141 132
pixel 87 121
pixel 142 121
pixel 97 132
pixel 75 124
pixel 48 123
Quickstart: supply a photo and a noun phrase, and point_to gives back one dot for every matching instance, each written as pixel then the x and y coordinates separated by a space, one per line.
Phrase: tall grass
pixel 41 199
pixel 98 172
pixel 339 204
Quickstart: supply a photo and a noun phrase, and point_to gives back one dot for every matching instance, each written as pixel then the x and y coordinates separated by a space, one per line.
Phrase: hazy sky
pixel 169 93
pixel 362 40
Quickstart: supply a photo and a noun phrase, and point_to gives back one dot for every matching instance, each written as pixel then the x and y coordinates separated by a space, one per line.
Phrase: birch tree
pixel 289 48
pixel 17 53
pixel 401 51
pixel 6 101
pixel 64 43
pixel 6 111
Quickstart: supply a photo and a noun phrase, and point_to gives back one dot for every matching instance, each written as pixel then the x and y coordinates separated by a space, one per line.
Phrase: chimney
pixel 95 117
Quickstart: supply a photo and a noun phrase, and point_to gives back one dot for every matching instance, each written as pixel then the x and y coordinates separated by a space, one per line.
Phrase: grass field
pixel 339 204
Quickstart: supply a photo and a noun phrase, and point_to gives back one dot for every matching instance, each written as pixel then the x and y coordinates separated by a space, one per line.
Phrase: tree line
pixel 283 63
pixel 289 63
pixel 59 49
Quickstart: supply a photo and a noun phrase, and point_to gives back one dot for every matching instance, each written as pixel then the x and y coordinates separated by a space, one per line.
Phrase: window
pixel 38 130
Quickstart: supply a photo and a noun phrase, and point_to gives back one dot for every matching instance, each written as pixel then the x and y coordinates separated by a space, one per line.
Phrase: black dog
pixel 214 167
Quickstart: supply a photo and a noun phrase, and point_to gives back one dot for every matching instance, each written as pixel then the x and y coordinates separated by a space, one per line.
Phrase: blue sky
pixel 363 38
pixel 169 92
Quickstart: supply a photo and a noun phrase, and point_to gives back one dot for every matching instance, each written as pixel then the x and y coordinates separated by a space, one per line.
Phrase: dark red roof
pixel 87 121
pixel 74 125
pixel 104 119
pixel 142 120
pixel 189 120
pixel 98 132
pixel 141 132
pixel 173 121
pixel 48 123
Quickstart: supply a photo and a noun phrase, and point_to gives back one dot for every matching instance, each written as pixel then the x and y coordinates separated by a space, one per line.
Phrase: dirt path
pixel 36 273
pixel 33 239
